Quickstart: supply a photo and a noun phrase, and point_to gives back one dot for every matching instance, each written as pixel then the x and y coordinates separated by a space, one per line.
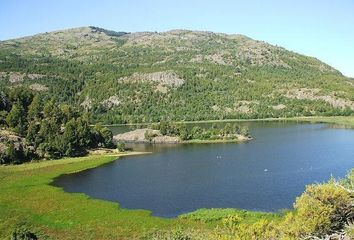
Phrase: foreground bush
pixel 322 209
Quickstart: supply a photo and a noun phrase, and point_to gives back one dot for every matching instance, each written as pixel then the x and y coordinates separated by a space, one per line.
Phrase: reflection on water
pixel 266 173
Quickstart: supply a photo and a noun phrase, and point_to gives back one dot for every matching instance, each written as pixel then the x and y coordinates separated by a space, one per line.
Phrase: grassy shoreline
pixel 343 120
pixel 26 196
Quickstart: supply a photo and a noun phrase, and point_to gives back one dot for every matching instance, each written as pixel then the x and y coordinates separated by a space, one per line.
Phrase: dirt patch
pixel 216 58
pixel 111 102
pixel 244 106
pixel 87 103
pixel 216 108
pixel 16 77
pixel 243 109
pixel 38 87
pixel 279 107
pixel 3 75
pixel 34 76
pixel 161 88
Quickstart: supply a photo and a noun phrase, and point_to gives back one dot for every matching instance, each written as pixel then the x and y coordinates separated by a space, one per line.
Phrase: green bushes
pixel 121 146
pixel 322 209
pixel 23 233
pixel 228 132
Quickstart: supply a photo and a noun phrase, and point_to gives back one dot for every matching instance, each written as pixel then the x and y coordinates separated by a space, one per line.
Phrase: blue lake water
pixel 266 173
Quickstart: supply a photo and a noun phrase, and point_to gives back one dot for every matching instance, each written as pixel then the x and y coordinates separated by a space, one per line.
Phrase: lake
pixel 264 174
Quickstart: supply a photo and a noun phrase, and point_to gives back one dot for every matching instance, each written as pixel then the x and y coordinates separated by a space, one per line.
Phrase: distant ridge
pixel 121 77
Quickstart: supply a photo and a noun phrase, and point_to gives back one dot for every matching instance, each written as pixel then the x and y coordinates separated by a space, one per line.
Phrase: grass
pixel 216 214
pixel 26 196
pixel 345 121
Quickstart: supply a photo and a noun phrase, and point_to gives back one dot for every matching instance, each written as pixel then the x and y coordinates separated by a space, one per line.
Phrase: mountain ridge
pixel 122 77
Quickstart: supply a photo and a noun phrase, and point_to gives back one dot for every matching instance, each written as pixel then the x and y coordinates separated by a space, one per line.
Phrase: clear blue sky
pixel 319 28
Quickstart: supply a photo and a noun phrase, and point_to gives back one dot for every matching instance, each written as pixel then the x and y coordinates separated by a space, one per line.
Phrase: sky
pixel 320 28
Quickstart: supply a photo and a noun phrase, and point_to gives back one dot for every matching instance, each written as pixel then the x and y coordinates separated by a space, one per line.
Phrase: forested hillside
pixel 34 127
pixel 120 77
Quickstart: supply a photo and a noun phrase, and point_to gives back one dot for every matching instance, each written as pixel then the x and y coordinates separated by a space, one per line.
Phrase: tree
pixel 11 152
pixel 183 132
pixel 33 133
pixel 35 109
pixel 164 127
pixel 107 137
pixel 102 137
pixel 121 146
pixel 21 95
pixel 245 131
pixel 227 129
pixel 15 155
pixel 3 115
pixel 4 102
pixel 16 118
pixel 196 132
pixel 70 145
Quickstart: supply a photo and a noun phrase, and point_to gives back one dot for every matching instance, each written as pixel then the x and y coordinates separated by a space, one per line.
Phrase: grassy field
pixel 26 197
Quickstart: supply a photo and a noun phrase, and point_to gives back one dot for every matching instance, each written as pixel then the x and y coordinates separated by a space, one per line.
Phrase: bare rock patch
pixel 166 78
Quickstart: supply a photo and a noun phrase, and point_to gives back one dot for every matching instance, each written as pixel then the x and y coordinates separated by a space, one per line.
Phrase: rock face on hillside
pixel 122 77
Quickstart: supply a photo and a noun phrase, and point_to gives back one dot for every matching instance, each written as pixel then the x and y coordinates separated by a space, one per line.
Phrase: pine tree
pixel 35 109
pixel 16 119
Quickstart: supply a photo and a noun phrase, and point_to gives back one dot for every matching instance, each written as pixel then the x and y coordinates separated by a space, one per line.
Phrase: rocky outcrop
pixel 145 135
pixel 22 149
pixel 166 78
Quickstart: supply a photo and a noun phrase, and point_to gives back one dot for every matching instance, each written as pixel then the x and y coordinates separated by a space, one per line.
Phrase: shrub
pixel 321 209
pixel 23 233
pixel 121 146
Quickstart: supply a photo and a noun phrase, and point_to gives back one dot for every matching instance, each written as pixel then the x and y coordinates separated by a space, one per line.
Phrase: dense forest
pixel 120 77
pixel 33 127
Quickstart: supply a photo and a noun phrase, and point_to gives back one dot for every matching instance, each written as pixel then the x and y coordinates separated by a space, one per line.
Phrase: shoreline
pixel 206 141
pixel 344 120
pixel 138 136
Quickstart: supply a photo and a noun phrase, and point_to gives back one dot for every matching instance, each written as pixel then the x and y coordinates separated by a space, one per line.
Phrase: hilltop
pixel 121 77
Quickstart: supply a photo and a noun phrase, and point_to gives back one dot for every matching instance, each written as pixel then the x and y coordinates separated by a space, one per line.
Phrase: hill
pixel 122 77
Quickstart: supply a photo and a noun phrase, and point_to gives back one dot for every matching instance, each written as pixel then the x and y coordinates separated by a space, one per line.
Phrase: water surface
pixel 264 174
